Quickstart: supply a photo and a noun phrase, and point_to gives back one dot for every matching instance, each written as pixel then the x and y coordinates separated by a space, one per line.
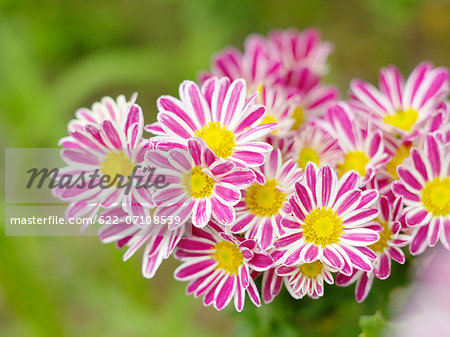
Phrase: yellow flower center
pixel 311 269
pixel 322 227
pixel 228 256
pixel 399 156
pixel 355 160
pixel 436 196
pixel 306 155
pixel 269 119
pixel 117 164
pixel 198 184
pixel 218 138
pixel 403 120
pixel 264 200
pixel 297 115
pixel 385 236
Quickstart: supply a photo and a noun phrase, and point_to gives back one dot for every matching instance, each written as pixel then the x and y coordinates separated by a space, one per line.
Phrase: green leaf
pixel 372 326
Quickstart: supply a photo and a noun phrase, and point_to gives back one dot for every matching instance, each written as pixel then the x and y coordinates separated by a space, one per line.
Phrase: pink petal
pixel 175 125
pixel 201 213
pixel 360 217
pixel 400 190
pixel 384 268
pixel 327 181
pixel 418 243
pixel 261 262
pixel 223 214
pixel 227 194
pixel 194 269
pixel 357 259
pixel 396 254
pixel 249 158
pixel 225 291
pixel 419 164
pixel 416 217
pixel 310 253
pixel 363 287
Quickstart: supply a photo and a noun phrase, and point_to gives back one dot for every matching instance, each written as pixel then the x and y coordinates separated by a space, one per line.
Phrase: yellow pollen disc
pixel 264 200
pixel 403 120
pixel 306 155
pixel 117 163
pixel 228 256
pixel 198 184
pixel 436 196
pixel 385 236
pixel 400 155
pixel 355 160
pixel 322 227
pixel 297 115
pixel 218 138
pixel 269 119
pixel 311 269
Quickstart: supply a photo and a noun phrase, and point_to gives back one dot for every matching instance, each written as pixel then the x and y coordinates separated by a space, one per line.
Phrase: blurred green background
pixel 56 56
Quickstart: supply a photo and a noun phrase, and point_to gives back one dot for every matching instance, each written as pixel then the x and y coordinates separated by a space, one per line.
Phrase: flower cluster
pixel 259 171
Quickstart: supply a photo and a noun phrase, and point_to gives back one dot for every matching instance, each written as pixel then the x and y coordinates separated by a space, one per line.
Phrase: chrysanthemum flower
pixel 149 232
pixel 391 237
pixel 200 185
pixel 361 145
pixel 112 148
pixel 280 107
pixel 306 278
pixel 221 115
pixel 107 109
pixel 300 49
pixel 219 265
pixel 387 248
pixel 425 187
pixel 313 103
pixel 253 65
pixel 313 144
pixel 401 107
pixel 330 221
pixel 399 149
pixel 264 203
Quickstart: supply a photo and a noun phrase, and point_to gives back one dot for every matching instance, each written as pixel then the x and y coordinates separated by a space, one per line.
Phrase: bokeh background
pixel 56 56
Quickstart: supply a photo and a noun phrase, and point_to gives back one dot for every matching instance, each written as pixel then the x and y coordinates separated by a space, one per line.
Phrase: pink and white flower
pixel 424 184
pixel 107 109
pixel 313 103
pixel 314 144
pixel 401 107
pixel 399 149
pixel 218 266
pixel 300 50
pixel 280 108
pixel 263 204
pixel 254 65
pixel 362 147
pixel 331 222
pixel 306 278
pixel 387 248
pixel 221 115
pixel 112 148
pixel 200 185
pixel 149 231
